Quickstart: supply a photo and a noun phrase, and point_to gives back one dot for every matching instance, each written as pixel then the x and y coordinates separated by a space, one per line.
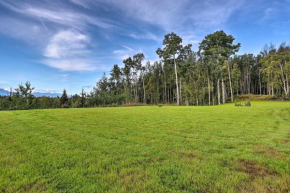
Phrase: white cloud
pixel 125 53
pixel 68 51
pixel 67 18
pixel 71 64
pixel 46 91
pixel 5 88
pixel 33 33
pixel 147 35
pixel 83 3
pixel 179 15
pixel 58 15
pixel 46 22
pixel 67 44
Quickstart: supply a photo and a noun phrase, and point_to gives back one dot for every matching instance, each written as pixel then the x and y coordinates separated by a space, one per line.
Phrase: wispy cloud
pixel 147 35
pixel 83 3
pixel 268 14
pixel 68 51
pixel 58 15
pixel 74 64
pixel 178 15
pixel 67 44
pixel 33 33
pixel 67 18
pixel 125 53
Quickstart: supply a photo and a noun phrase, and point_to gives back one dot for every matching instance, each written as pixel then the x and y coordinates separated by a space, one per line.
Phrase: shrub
pixel 133 104
pixel 238 104
pixel 248 103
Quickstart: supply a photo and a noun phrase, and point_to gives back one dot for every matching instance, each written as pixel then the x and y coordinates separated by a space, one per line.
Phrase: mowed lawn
pixel 147 149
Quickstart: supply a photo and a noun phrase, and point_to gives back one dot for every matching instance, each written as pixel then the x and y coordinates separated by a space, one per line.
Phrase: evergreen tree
pixel 64 99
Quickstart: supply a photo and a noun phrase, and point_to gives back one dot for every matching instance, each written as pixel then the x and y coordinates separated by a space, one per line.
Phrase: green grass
pixel 147 149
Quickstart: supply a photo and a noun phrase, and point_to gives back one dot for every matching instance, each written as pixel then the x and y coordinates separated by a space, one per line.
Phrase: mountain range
pixel 37 94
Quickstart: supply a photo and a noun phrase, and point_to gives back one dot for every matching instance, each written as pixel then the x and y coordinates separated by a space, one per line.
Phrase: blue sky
pixel 57 44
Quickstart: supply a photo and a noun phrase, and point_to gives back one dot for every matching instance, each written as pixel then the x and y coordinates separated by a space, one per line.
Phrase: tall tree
pixel 138 58
pixel 64 99
pixel 25 91
pixel 172 48
pixel 83 98
pixel 220 46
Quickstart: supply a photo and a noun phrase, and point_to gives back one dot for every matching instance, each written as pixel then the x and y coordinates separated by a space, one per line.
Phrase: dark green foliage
pixel 64 100
pixel 247 103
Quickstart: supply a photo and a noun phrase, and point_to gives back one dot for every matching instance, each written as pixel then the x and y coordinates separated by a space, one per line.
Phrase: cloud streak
pixel 60 32
pixel 58 15
pixel 125 53
pixel 171 14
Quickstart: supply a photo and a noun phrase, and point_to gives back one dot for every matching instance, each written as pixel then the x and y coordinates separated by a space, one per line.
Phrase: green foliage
pixel 147 149
pixel 247 103
pixel 182 77
pixel 64 100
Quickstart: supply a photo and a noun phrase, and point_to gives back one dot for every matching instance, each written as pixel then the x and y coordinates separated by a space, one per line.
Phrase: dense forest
pixel 213 75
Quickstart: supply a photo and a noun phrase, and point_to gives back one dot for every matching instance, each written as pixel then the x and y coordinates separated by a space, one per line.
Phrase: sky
pixel 57 44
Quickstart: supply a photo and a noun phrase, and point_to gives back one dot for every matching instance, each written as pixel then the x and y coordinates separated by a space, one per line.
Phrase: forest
pixel 213 75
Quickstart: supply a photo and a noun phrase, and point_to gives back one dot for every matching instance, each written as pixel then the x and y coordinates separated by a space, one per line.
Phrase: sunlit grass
pixel 147 149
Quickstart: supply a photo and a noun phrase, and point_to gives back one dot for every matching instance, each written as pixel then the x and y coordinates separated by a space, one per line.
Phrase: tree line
pixel 213 75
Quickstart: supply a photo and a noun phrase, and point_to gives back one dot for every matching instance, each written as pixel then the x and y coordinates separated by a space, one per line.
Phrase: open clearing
pixel 147 149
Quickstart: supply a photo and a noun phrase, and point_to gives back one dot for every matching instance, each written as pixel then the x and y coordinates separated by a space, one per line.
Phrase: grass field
pixel 147 149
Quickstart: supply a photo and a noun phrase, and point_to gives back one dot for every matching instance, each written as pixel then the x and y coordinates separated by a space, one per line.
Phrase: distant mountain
pixel 37 94
pixel 3 92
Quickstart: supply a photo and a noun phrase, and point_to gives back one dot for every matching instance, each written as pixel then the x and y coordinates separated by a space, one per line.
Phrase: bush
pixel 246 104
pixel 238 104
pixel 133 104
pixel 160 105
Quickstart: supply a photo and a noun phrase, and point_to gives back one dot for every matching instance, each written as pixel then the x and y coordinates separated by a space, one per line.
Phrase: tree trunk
pixel 176 81
pixel 144 97
pixel 238 87
pixel 218 91
pixel 165 97
pixel 180 91
pixel 208 90
pixel 249 81
pixel 284 81
pixel 287 84
pixel 269 84
pixel 223 91
pixel 260 82
pixel 230 80
pixel 168 95
pixel 272 85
